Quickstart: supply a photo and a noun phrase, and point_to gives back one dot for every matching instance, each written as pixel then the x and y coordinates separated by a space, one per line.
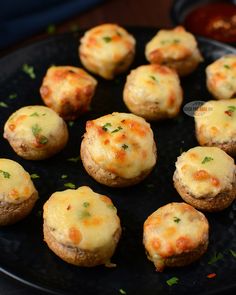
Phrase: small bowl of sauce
pixel 212 19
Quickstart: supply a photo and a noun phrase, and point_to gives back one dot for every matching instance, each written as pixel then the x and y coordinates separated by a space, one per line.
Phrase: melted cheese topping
pixel 221 77
pixel 155 84
pixel 174 44
pixel 105 46
pixel 122 144
pixel 67 85
pixel 34 124
pixel 81 218
pixel 16 185
pixel 216 121
pixel 174 229
pixel 205 171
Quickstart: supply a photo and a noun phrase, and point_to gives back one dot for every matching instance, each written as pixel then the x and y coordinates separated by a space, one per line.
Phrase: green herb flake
pixel 117 129
pixel 5 174
pixel 86 204
pixel 84 214
pixel 215 258
pixel 69 185
pixel 43 139
pixel 107 39
pixel 111 206
pixel 104 127
pixel 177 219
pixel 207 159
pixel 74 159
pixel 232 108
pixel 122 291
pixel 233 253
pixel 36 129
pixel 172 281
pixel 29 70
pixel 226 66
pixel 153 78
pixel 35 114
pixel 176 41
pixel 64 176
pixel 34 176
pixel 71 123
pixel 125 146
pixel 51 29
pixel 12 95
pixel 3 104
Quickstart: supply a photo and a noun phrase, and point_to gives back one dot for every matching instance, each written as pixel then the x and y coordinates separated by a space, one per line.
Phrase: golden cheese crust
pixel 107 50
pixel 17 192
pixel 215 125
pixel 175 48
pixel 220 77
pixel 81 226
pixel 153 92
pixel 175 235
pixel 36 132
pixel 118 149
pixel 205 178
pixel 68 90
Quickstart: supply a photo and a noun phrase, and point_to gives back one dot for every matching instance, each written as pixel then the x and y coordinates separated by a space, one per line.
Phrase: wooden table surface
pixel 124 12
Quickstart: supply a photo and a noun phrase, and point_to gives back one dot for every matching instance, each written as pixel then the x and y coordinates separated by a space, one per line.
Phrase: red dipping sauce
pixel 213 20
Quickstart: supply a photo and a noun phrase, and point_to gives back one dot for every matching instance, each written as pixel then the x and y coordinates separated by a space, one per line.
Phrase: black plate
pixel 25 256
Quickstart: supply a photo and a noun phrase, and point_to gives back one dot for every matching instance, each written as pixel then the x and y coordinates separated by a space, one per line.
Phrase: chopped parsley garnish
pixel 13 95
pixel 107 39
pixel 117 129
pixel 5 174
pixel 233 253
pixel 207 159
pixel 36 129
pixel 111 206
pixel 153 78
pixel 104 127
pixel 175 41
pixel 3 104
pixel 69 185
pixel 125 146
pixel 74 159
pixel 34 176
pixel 64 176
pixel 172 281
pixel 86 204
pixel 29 70
pixel 230 110
pixel 177 219
pixel 122 291
pixel 71 123
pixel 215 258
pixel 35 114
pixel 51 29
pixel 84 214
pixel 43 139
pixel 227 66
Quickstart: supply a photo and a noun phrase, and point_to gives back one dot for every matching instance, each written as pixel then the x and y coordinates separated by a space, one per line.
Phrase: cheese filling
pixel 205 171
pixel 122 144
pixel 16 185
pixel 217 121
pixel 174 229
pixel 81 218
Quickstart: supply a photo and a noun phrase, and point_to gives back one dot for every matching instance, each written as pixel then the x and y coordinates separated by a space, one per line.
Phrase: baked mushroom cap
pixel 220 77
pixel 36 132
pixel 215 124
pixel 205 178
pixel 17 192
pixel 68 90
pixel 81 226
pixel 107 50
pixel 118 149
pixel 153 92
pixel 175 48
pixel 175 235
